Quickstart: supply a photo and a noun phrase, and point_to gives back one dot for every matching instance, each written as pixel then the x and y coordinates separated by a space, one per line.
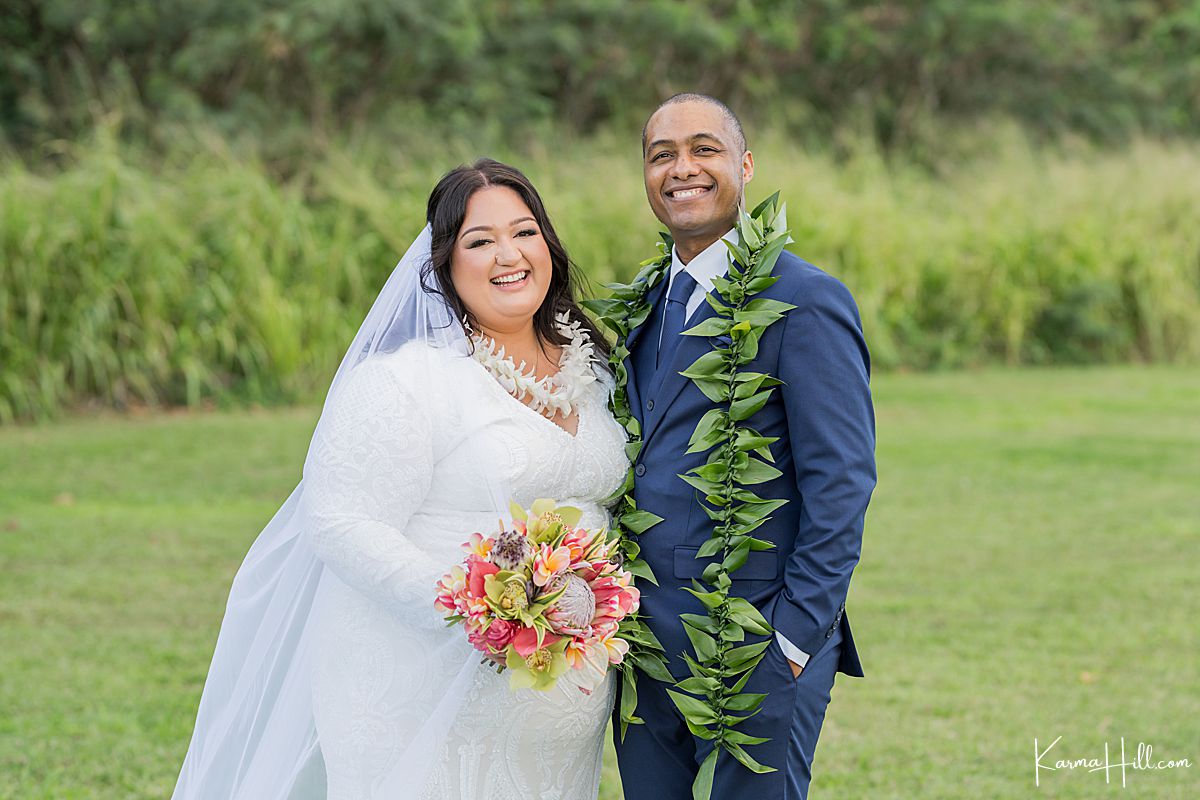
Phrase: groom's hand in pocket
pixel 796 668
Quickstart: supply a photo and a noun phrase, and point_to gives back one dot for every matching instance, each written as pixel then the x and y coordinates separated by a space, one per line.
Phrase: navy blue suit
pixel 826 428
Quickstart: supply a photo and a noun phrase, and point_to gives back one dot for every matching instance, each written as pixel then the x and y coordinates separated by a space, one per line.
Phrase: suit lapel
pixel 689 349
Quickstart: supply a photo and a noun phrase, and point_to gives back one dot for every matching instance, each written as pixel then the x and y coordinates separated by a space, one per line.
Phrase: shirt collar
pixel 710 263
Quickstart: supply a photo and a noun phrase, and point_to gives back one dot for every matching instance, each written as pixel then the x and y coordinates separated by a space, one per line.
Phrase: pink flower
pixel 548 563
pixel 496 638
pixel 449 591
pixel 617 648
pixel 479 545
pixel 525 641
pixel 477 570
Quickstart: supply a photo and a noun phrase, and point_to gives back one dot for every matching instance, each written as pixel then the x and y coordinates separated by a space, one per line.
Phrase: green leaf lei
pixel 711 700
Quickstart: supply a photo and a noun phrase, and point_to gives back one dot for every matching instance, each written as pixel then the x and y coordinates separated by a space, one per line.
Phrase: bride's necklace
pixel 553 394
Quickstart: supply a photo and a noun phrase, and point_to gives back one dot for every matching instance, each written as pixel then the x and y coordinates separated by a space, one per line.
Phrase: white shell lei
pixel 553 394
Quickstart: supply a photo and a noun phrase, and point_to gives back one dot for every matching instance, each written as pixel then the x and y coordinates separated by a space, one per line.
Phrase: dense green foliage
pixel 1024 574
pixel 888 67
pixel 129 280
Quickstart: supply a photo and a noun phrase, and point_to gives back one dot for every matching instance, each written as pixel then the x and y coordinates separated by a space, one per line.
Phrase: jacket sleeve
pixel 825 367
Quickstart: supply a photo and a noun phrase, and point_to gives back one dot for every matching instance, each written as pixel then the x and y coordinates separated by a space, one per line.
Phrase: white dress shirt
pixel 713 262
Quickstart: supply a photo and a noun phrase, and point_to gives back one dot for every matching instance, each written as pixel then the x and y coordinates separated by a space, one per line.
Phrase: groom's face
pixel 695 173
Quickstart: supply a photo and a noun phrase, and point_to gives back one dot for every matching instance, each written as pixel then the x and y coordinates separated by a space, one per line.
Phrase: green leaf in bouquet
pixel 628 701
pixel 654 667
pixel 641 569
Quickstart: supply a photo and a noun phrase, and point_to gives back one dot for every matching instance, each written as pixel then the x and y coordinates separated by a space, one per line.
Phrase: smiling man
pixel 696 166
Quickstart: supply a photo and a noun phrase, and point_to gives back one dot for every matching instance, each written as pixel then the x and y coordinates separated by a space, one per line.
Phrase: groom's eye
pixel 658 156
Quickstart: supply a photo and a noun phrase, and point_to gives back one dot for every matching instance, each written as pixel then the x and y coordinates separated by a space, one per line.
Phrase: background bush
pixel 199 200
pixel 130 278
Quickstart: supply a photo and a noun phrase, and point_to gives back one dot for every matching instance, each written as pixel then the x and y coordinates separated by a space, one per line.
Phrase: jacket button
pixel 829 634
pixel 649 405
pixel 639 470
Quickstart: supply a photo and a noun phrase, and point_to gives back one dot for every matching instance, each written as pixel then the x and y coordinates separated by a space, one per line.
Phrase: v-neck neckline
pixel 578 409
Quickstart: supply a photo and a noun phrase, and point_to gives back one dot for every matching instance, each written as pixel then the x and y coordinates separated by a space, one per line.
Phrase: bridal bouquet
pixel 544 598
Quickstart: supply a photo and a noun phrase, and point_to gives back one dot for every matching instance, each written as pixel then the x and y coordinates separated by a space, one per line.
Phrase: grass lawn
pixel 1029 570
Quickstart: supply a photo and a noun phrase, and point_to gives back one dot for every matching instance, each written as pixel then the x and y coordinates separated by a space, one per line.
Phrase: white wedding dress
pixel 395 482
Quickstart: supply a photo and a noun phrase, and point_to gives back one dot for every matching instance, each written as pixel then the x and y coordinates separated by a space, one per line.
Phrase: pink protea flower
pixel 572 612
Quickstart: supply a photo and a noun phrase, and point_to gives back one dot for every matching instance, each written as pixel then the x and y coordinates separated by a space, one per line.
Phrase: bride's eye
pixel 471 245
pixel 528 232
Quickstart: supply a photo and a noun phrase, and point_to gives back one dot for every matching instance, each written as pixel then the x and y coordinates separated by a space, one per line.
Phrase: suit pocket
pixel 761 565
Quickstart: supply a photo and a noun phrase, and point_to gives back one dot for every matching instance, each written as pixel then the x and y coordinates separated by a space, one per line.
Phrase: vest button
pixel 639 470
pixel 649 405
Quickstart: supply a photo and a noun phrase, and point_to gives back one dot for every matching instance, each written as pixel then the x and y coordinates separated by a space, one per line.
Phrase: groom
pixel 696 165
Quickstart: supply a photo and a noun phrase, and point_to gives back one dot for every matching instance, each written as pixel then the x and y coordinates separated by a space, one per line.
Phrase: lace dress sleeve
pixel 369 470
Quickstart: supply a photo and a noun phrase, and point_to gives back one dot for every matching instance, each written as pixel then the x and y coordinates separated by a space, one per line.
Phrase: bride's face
pixel 500 265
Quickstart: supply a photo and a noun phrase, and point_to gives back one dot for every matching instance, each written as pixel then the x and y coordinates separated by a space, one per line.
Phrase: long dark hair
pixel 445 213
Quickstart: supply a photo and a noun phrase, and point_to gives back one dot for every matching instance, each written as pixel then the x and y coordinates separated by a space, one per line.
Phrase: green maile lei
pixel 711 700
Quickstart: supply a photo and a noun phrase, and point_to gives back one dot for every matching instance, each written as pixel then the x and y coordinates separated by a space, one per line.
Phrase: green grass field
pixel 1029 569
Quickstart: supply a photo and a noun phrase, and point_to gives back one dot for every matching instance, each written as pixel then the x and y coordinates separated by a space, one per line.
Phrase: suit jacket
pixel 826 451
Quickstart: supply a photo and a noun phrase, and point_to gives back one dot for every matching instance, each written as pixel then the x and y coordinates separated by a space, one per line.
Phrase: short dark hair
pixel 696 97
pixel 445 212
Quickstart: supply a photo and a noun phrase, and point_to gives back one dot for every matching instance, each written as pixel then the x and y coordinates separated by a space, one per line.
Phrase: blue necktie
pixel 675 315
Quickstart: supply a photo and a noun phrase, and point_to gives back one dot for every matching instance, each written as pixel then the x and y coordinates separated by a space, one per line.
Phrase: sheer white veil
pixel 255 736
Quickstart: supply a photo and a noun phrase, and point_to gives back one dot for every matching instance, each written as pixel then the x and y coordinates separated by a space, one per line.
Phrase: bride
pixel 474 380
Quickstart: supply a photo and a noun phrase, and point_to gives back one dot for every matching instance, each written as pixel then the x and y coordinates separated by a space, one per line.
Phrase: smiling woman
pixel 501 272
pixel 334 674
pixel 500 264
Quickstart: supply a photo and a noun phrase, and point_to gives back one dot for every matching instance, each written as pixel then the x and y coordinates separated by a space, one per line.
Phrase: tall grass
pixel 207 274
